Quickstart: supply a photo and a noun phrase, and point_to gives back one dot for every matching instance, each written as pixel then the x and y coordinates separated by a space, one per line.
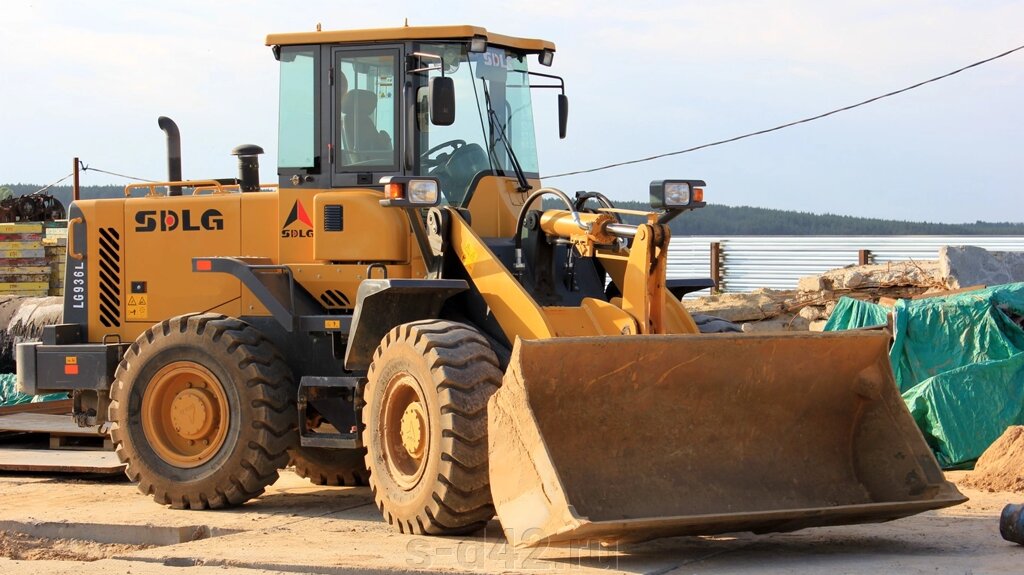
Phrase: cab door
pixel 366 99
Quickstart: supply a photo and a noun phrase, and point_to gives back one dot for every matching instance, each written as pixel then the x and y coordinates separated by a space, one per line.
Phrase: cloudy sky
pixel 90 78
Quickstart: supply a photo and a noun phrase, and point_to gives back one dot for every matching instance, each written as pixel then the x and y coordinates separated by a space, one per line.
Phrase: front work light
pixel 409 192
pixel 677 194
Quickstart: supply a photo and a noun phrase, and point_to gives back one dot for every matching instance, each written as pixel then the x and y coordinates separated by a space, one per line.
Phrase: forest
pixel 712 220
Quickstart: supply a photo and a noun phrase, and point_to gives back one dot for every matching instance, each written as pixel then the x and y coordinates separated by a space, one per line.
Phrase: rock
pixel 854 279
pixel 811 313
pixel 829 307
pixel 922 274
pixel 966 266
pixel 811 284
pixel 818 325
pixel 739 307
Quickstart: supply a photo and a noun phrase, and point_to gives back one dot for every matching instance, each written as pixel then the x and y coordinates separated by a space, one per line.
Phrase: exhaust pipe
pixel 173 153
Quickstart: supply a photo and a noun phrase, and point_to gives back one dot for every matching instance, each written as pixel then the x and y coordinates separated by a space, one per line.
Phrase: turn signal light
pixel 698 194
pixel 394 191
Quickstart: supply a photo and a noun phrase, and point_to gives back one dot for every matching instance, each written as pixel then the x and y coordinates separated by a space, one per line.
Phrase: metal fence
pixel 746 263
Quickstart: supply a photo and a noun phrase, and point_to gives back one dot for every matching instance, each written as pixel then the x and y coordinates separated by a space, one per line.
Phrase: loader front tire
pixel 425 427
pixel 203 412
pixel 322 466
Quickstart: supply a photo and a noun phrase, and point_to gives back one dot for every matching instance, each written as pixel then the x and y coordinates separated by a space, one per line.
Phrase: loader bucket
pixel 631 438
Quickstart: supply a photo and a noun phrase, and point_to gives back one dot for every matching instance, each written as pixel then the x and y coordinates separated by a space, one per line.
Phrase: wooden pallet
pixel 63 431
pixel 55 461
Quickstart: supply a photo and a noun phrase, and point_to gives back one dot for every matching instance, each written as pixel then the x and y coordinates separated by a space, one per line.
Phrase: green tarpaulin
pixel 959 363
pixel 9 394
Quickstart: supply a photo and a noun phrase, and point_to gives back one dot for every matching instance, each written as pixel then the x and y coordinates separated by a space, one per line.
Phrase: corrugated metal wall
pixel 778 262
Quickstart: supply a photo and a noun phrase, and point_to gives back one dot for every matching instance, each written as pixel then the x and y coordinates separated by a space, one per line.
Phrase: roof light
pixel 478 44
pixel 546 57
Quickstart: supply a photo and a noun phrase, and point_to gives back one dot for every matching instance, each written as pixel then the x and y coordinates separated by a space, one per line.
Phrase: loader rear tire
pixel 425 427
pixel 203 412
pixel 337 467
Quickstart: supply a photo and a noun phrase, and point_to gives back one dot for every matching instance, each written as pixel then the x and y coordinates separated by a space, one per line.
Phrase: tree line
pixel 712 220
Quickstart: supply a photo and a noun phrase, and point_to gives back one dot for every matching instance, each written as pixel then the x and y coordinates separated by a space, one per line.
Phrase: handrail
pixel 71 239
pixel 185 183
pixel 226 188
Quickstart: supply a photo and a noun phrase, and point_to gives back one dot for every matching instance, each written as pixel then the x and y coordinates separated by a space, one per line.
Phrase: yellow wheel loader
pixel 407 306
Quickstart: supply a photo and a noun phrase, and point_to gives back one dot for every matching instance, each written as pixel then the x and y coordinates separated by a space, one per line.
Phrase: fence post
pixel 863 257
pixel 716 266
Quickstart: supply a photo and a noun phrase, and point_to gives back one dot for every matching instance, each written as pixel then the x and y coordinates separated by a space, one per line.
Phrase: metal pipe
pixel 173 153
pixel 621 230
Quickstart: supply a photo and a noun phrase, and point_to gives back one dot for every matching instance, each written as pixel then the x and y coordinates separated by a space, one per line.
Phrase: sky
pixel 89 79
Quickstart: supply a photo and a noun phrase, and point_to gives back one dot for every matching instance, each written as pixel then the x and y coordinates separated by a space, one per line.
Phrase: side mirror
pixel 442 101
pixel 563 114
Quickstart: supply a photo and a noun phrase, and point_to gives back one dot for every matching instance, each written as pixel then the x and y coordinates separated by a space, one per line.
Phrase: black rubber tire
pixel 457 373
pixel 322 466
pixel 261 408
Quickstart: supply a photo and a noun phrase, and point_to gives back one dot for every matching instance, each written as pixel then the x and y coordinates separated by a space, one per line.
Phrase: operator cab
pixel 450 102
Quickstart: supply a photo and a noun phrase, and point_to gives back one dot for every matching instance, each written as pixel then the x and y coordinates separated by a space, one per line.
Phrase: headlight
pixel 423 192
pixel 406 192
pixel 677 194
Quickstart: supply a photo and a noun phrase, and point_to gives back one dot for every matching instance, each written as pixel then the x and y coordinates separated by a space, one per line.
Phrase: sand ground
pixel 56 525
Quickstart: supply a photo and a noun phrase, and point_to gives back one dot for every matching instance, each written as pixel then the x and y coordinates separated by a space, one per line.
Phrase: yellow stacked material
pixel 56 245
pixel 25 268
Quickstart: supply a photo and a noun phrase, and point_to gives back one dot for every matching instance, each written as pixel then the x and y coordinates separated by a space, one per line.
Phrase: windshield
pixel 492 106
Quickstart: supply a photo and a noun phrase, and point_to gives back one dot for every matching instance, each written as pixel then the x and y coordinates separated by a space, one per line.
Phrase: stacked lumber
pixel 55 244
pixel 24 269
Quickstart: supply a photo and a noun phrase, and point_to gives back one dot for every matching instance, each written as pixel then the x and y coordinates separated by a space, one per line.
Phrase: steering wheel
pixel 427 162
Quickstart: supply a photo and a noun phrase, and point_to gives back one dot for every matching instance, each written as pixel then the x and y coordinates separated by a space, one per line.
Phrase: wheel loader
pixel 408 307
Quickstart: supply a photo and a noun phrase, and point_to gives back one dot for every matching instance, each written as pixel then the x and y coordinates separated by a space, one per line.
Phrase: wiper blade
pixel 524 186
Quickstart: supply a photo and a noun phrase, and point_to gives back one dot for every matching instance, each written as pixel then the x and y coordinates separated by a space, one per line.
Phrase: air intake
pixel 334 218
pixel 333 299
pixel 110 277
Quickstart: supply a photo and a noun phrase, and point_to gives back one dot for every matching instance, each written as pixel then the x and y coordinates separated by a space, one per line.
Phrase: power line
pixel 48 186
pixel 87 168
pixel 790 124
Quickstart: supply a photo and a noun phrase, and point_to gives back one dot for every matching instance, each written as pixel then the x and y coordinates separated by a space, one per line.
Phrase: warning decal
pixel 138 307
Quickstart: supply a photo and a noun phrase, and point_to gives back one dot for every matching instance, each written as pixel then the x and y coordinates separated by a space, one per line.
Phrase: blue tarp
pixel 959 363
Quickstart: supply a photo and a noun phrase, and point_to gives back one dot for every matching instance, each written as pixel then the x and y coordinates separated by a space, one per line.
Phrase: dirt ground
pixel 74 525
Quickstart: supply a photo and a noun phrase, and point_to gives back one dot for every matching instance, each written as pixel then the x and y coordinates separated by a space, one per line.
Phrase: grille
pixel 334 220
pixel 333 298
pixel 110 277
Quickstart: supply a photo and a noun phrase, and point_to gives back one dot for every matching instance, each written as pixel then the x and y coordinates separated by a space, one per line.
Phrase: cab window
pixel 297 122
pixel 366 111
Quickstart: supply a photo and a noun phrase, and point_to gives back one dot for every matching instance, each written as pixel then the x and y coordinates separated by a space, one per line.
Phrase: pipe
pixel 173 153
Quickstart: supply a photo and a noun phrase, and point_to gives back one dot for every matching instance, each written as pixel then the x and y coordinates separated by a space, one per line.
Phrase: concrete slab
pixel 301 528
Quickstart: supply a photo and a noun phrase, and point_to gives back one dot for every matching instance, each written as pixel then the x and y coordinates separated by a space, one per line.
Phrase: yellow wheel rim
pixel 185 414
pixel 404 430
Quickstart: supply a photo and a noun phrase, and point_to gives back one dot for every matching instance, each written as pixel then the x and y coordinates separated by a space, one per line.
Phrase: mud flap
pixel 637 437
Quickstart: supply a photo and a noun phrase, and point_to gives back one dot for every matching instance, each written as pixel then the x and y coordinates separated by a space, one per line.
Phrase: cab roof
pixel 408 33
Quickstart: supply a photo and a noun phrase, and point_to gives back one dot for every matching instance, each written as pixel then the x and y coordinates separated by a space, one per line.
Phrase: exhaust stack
pixel 173 153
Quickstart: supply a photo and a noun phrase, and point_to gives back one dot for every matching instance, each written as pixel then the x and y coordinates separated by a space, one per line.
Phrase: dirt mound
pixel 1001 467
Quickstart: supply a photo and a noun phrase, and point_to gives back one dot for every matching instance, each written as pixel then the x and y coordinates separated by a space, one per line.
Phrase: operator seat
pixel 361 134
